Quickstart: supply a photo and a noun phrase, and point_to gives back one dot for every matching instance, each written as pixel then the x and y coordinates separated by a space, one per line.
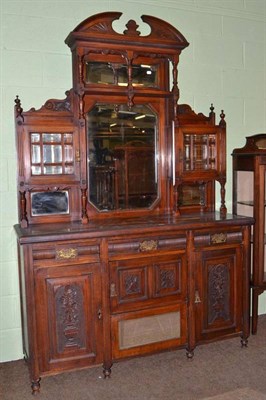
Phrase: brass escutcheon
pixel 113 290
pixel 197 297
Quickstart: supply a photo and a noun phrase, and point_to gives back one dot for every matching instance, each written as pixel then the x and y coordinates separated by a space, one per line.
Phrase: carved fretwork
pixel 167 278
pixel 132 284
pixel 69 306
pixel 59 105
pixel 219 295
pixel 132 28
pixel 185 113
pixel 55 105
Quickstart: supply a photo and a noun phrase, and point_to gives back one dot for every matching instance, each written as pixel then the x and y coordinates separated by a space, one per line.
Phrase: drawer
pixel 146 282
pixel 146 245
pixel 63 252
pixel 218 237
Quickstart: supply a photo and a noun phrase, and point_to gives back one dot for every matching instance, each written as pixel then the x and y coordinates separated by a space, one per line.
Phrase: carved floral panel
pixel 69 316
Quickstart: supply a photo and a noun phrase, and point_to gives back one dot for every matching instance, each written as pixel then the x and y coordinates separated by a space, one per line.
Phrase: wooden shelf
pixel 246 202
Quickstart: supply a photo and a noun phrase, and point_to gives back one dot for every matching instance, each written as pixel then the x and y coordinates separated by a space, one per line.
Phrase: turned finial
pixel 222 121
pixel 212 114
pixel 18 107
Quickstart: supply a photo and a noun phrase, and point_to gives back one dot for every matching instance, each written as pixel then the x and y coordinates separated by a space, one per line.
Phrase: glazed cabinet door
pixel 198 162
pixel 218 293
pixel 69 316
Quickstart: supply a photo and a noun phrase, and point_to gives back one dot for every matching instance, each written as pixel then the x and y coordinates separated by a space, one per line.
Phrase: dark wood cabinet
pixel 249 172
pixel 121 251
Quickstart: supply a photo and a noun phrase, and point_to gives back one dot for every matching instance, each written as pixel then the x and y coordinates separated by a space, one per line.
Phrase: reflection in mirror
pixel 192 194
pixel 122 151
pixel 52 153
pixel 199 152
pixel 108 73
pixel 49 203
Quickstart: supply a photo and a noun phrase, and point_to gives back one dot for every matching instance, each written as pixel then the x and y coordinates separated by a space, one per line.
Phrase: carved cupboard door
pixel 148 304
pixel 143 282
pixel 69 316
pixel 218 293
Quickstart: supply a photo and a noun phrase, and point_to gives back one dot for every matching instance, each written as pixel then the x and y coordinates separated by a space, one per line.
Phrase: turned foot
pixel 244 342
pixel 190 354
pixel 107 372
pixel 35 386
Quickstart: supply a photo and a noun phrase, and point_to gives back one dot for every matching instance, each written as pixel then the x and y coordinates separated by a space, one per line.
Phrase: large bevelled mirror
pixel 122 156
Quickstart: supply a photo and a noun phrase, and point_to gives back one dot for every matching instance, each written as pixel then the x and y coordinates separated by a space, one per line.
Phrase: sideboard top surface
pixel 116 227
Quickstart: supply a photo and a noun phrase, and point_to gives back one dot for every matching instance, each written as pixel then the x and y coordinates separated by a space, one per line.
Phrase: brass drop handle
pixel 197 297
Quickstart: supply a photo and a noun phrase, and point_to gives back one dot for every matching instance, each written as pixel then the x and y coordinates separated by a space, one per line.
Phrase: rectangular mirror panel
pixel 49 203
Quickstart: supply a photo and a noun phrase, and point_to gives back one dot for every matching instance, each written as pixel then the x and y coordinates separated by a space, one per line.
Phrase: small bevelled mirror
pixel 122 156
pixel 107 73
pixel 49 203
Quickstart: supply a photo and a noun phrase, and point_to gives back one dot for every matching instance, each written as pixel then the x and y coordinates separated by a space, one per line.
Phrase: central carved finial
pixel 132 28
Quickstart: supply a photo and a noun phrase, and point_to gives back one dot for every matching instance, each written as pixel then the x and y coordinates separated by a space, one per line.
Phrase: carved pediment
pixel 99 25
pixel 50 106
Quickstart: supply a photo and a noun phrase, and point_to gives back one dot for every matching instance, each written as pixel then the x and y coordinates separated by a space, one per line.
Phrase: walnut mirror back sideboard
pixel 121 250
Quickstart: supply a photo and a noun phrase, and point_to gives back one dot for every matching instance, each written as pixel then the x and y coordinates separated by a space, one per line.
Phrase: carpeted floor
pixel 219 371
pixel 239 394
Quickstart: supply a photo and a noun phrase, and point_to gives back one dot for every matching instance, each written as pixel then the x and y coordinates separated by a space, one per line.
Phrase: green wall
pixel 225 64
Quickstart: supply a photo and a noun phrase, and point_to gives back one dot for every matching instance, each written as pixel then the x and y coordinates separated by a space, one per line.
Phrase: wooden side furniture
pixel 121 251
pixel 249 174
